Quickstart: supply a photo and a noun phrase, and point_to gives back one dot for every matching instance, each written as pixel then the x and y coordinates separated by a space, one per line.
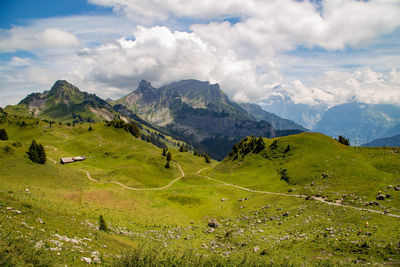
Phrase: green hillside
pixel 49 213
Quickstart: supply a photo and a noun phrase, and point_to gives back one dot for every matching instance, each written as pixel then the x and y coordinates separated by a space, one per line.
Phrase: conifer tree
pixel 169 156
pixel 102 224
pixel 207 158
pixel 36 153
pixel 3 134
pixel 167 165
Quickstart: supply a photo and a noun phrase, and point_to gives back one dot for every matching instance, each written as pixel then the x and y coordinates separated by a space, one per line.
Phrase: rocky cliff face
pixel 198 112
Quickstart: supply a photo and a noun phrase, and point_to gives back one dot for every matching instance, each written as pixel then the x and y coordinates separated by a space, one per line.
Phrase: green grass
pixel 169 227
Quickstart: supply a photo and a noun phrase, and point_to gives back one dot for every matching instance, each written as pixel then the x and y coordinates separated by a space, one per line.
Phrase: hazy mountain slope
pixel 277 122
pixel 302 114
pixel 63 102
pixel 393 141
pixel 361 121
pixel 198 112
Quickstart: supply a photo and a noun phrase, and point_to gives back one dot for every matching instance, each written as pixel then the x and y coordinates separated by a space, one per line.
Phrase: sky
pixel 316 52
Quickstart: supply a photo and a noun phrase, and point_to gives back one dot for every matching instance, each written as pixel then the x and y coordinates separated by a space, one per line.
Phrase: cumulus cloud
pixel 21 38
pixel 249 58
pixel 162 56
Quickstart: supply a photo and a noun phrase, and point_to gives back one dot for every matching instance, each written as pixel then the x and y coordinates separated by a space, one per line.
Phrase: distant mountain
pixel 277 122
pixel 388 141
pixel 360 121
pixel 283 106
pixel 198 112
pixel 63 102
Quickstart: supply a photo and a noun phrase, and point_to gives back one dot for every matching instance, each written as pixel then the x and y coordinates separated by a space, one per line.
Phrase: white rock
pixel 256 249
pixel 87 260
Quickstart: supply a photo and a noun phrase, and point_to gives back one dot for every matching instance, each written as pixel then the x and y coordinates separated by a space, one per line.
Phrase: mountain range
pixel 196 112
pixel 357 121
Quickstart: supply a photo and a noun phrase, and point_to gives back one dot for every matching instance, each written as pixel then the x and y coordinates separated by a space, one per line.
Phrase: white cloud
pixel 108 55
pixel 21 38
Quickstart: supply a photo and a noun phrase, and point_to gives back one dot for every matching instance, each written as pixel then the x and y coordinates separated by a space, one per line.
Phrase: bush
pixel 284 176
pixel 169 156
pixel 207 158
pixel 36 153
pixel 167 165
pixel 102 224
pixel 3 134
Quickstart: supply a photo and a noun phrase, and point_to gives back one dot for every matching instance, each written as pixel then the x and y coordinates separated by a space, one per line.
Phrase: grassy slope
pixel 351 172
pixel 174 218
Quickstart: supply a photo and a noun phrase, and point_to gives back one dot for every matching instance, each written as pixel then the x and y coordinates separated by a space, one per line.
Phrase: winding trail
pixel 320 199
pixel 133 188
pixel 299 196
pixel 54 150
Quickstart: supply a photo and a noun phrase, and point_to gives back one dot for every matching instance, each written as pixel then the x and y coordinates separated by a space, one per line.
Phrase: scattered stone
pixel 256 249
pixel 380 197
pixel 263 252
pixel 397 188
pixel 388 196
pixel 222 199
pixel 286 214
pixel 241 207
pixel 213 223
pixel 87 260
pixel 39 244
pixel 8 208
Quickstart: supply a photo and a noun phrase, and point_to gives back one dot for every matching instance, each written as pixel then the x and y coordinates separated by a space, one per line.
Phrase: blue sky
pixel 316 53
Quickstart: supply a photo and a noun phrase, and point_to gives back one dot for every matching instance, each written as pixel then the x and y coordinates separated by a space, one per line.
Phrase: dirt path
pixel 302 196
pixel 226 184
pixel 54 150
pixel 137 189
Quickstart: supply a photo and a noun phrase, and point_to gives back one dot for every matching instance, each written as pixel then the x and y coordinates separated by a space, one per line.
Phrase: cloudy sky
pixel 317 52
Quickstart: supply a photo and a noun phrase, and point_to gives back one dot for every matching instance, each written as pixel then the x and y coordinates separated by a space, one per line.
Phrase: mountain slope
pixel 360 121
pixel 198 112
pixel 277 122
pixel 393 141
pixel 63 102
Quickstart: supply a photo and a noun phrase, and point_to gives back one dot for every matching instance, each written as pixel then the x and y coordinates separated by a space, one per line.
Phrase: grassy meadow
pixel 49 213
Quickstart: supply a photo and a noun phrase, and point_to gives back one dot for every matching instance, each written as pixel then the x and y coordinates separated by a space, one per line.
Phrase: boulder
pixel 213 223
pixel 380 197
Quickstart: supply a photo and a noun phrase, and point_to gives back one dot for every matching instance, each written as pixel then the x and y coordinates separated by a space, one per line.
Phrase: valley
pixel 239 211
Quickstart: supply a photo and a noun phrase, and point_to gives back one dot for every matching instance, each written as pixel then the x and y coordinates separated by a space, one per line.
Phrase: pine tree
pixel 36 153
pixel 169 156
pixel 102 224
pixel 164 151
pixel 3 134
pixel 207 158
pixel 90 128
pixel 167 165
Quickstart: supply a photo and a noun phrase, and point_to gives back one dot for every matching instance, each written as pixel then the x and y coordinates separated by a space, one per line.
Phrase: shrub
pixel 207 158
pixel 284 176
pixel 102 224
pixel 167 165
pixel 3 134
pixel 274 145
pixel 169 156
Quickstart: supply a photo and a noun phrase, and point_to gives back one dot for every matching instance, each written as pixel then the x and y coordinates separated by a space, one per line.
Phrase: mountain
pixel 360 122
pixel 393 141
pixel 199 113
pixel 277 122
pixel 63 102
pixel 283 106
